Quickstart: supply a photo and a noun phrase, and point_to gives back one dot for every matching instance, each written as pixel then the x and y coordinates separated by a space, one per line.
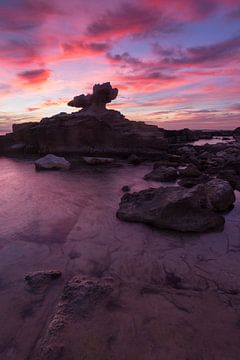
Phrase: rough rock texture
pixel 92 130
pixel 190 171
pixel 80 299
pixel 171 208
pixel 102 94
pixel 162 173
pixel 52 162
pixel 40 280
pixel 220 194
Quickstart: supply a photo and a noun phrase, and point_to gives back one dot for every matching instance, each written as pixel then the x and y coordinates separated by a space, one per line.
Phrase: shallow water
pixel 213 141
pixel 67 221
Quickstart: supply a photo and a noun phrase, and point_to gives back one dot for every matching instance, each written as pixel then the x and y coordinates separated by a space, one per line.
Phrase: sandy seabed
pixel 67 221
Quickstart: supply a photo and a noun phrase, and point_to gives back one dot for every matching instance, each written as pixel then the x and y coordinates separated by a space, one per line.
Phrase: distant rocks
pixel 189 171
pixel 52 162
pixel 134 160
pixel 162 173
pixel 97 160
pixel 177 208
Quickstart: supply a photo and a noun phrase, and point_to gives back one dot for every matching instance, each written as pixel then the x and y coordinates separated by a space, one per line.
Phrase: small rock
pixel 220 194
pixel 39 279
pixel 126 188
pixel 52 162
pixel 134 160
pixel 162 174
pixel 190 171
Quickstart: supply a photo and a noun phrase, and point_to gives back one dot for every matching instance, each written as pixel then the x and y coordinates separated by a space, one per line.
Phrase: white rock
pixel 52 162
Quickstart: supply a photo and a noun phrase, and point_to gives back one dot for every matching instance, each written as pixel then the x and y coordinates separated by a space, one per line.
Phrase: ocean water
pixel 67 221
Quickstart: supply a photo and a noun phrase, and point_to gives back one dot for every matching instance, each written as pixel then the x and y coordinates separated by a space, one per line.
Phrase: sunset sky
pixel 176 63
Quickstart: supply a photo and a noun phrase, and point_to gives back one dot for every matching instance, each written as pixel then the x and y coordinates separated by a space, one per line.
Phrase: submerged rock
pixel 52 162
pixel 172 208
pixel 162 173
pixel 97 160
pixel 39 279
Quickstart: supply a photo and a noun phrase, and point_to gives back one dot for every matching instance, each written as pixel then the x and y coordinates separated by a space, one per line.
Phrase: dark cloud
pixel 17 15
pixel 130 19
pixel 34 77
pixel 211 54
pixel 81 48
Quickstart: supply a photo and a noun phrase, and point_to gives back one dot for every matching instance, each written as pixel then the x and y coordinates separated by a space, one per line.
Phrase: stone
pixel 220 194
pixel 126 188
pixel 134 159
pixel 38 280
pixel 190 171
pixel 189 182
pixel 173 208
pixel 52 162
pixel 162 174
pixel 97 160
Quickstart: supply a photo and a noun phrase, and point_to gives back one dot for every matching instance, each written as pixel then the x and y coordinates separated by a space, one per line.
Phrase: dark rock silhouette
pixel 102 94
pixel 93 130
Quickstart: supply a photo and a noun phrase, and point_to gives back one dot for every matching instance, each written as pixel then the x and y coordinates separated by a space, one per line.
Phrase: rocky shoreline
pixel 100 285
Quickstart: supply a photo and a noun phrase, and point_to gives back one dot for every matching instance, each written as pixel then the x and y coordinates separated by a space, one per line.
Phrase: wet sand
pixel 66 221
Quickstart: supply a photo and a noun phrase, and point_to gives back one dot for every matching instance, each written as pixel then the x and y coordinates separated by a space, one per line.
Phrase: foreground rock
pixel 80 300
pixel 39 280
pixel 172 208
pixel 162 173
pixel 52 162
pixel 220 194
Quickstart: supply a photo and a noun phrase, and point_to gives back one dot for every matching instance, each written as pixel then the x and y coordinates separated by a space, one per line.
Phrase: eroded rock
pixel 163 174
pixel 220 194
pixel 172 208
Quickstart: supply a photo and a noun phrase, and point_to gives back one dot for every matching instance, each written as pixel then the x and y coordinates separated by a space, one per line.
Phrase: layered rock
pixel 180 209
pixel 171 208
pixel 92 130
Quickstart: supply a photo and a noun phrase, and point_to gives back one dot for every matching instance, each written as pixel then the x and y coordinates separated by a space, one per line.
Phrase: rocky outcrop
pixel 95 102
pixel 162 173
pixel 173 208
pixel 94 130
pixel 220 194
pixel 52 162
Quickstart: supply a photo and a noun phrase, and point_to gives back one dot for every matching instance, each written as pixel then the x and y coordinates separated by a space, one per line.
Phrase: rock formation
pixel 96 102
pixel 179 209
pixel 94 130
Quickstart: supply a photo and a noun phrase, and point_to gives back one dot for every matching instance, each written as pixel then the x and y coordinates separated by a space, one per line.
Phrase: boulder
pixel 52 162
pixel 190 171
pixel 97 160
pixel 38 281
pixel 173 208
pixel 163 174
pixel 220 194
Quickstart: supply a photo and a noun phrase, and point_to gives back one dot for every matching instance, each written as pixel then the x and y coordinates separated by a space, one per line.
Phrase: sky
pixel 176 63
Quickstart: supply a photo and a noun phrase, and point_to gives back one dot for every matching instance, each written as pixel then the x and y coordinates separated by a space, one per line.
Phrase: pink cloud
pixel 34 77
